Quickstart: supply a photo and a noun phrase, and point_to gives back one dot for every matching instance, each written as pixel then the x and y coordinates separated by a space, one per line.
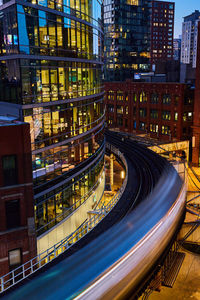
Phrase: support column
pixel 111 170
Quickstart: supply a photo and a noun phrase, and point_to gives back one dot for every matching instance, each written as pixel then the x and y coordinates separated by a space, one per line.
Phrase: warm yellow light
pixel 122 174
pixel 133 2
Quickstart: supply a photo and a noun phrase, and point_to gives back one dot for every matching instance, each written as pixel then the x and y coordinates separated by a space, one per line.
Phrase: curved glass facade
pixel 51 64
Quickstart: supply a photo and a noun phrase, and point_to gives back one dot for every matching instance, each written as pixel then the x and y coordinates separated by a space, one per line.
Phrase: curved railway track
pixel 113 263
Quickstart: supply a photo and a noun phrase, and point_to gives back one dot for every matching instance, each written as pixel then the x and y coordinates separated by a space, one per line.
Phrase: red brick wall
pixel 130 88
pixel 15 139
pixel 196 127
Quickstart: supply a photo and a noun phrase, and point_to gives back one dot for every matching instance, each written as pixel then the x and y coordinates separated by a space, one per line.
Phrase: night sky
pixel 182 9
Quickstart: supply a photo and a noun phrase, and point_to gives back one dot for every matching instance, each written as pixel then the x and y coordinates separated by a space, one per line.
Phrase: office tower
pixel 51 70
pixel 189 39
pixel 127 38
pixel 162 30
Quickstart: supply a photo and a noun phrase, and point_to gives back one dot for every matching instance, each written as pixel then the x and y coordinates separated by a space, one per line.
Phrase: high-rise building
pixel 177 49
pixel 189 38
pixel 51 69
pixel 162 30
pixel 127 38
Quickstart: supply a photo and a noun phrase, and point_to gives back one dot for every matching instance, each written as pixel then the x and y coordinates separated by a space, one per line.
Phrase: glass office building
pixel 127 38
pixel 51 66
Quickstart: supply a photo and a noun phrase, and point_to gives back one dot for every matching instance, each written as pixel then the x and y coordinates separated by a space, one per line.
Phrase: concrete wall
pixel 69 225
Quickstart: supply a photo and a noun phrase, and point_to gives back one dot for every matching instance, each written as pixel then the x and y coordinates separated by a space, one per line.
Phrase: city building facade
pixel 163 110
pixel 177 49
pixel 17 226
pixel 189 39
pixel 162 31
pixel 51 67
pixel 127 38
pixel 196 125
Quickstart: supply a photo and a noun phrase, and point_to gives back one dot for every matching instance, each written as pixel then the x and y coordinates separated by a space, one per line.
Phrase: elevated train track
pixel 114 263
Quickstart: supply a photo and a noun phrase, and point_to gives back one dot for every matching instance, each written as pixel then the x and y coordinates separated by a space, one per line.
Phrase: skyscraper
pixel 162 30
pixel 51 70
pixel 127 38
pixel 189 39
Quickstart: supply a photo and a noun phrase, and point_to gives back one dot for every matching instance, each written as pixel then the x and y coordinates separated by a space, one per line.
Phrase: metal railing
pixel 36 263
pixel 72 208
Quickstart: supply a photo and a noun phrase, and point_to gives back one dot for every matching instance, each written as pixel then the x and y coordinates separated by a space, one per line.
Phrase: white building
pixel 195 44
pixel 189 38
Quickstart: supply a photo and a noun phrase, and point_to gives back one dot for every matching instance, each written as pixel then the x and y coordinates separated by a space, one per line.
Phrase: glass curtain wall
pixel 127 38
pixel 51 64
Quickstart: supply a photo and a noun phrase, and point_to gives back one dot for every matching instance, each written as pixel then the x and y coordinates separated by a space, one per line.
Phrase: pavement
pixel 187 284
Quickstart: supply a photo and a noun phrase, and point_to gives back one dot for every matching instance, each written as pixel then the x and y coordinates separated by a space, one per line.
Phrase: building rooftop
pixel 193 16
pixel 7 120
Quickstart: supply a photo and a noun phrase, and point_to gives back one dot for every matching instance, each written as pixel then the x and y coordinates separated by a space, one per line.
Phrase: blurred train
pixel 117 263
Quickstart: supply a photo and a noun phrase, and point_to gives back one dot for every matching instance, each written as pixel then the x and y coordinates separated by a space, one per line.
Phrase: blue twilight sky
pixel 182 9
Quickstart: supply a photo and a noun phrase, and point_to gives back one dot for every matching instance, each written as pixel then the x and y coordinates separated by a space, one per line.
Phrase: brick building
pixel 196 125
pixel 17 230
pixel 165 110
pixel 162 30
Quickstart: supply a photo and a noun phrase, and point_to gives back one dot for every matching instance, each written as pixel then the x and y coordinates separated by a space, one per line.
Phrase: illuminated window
pixel 132 2
pixel 166 99
pixel 166 130
pixel 110 95
pixel 166 115
pixel 143 97
pixel 190 116
pixel 153 128
pixel 119 95
pixel 134 97
pixel 142 126
pixel 119 109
